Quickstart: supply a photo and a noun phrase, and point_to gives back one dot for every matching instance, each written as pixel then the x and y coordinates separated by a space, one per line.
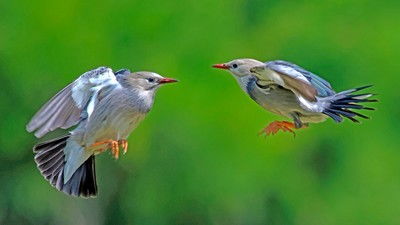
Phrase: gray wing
pixel 122 72
pixel 65 108
pixel 322 87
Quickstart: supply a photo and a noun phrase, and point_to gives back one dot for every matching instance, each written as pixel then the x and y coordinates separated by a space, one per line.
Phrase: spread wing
pixel 65 108
pixel 300 80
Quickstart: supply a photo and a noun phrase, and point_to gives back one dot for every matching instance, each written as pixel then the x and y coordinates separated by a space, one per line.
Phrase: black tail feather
pixel 50 160
pixel 342 105
pixel 343 112
pixel 334 116
pixel 363 87
pixel 354 100
pixel 357 114
pixel 351 106
pixel 369 108
pixel 352 119
pixel 360 95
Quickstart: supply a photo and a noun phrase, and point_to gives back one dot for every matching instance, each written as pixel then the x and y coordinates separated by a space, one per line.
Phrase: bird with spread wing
pixel 289 90
pixel 105 107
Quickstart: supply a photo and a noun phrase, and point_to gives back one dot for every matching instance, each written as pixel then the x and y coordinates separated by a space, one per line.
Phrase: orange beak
pixel 221 66
pixel 167 80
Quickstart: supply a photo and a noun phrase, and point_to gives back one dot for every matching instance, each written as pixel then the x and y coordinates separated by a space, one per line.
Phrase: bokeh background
pixel 196 158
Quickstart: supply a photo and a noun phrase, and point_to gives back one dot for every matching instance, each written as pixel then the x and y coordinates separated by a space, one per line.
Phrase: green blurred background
pixel 196 158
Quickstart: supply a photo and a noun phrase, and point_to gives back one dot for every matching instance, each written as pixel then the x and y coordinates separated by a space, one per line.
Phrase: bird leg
pixel 110 144
pixel 275 126
pixel 124 145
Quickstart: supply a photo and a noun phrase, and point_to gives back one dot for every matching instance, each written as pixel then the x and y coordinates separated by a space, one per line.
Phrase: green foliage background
pixel 197 159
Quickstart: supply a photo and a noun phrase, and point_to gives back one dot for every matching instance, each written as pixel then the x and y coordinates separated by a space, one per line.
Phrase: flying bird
pixel 106 107
pixel 289 90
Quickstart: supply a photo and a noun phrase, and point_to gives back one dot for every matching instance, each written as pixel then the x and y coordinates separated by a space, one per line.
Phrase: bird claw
pixel 275 126
pixel 124 145
pixel 112 145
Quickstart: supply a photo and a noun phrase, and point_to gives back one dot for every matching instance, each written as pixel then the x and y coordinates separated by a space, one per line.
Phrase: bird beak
pixel 221 66
pixel 167 80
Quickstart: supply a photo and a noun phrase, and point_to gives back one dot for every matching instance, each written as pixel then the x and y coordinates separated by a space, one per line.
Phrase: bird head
pixel 239 67
pixel 145 80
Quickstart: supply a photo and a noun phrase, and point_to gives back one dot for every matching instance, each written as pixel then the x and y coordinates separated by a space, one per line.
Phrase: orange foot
pixel 110 144
pixel 275 126
pixel 124 145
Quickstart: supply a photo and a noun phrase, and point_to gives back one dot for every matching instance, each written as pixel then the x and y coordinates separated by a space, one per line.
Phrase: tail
pixel 50 160
pixel 342 104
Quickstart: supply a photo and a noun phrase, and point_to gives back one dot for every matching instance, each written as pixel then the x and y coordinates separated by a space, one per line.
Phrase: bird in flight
pixel 106 107
pixel 289 90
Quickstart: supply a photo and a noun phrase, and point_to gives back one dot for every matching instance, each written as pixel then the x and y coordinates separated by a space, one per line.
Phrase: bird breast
pixel 116 116
pixel 124 123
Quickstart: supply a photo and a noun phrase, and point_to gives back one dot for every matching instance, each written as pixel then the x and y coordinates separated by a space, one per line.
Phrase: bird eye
pixel 151 80
pixel 235 66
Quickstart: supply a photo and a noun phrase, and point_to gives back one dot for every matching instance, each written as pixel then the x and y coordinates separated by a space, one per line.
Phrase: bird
pixel 291 91
pixel 104 108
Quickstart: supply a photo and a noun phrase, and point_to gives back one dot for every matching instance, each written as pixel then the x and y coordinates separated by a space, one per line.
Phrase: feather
pixel 66 107
pixel 341 103
pixel 50 160
pixel 301 87
pixel 334 116
pixel 321 86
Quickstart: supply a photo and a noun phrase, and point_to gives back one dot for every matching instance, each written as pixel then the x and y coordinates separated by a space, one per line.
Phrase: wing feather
pixel 299 80
pixel 65 108
pixel 303 88
pixel 322 86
